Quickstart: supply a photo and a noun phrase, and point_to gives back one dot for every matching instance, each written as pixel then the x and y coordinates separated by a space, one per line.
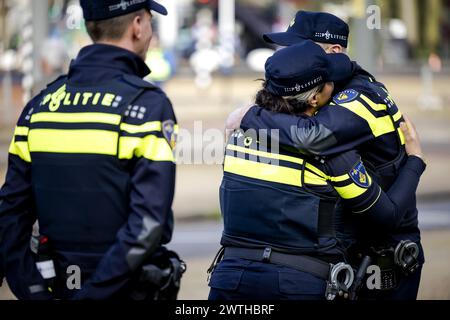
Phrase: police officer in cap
pixel 92 161
pixel 363 116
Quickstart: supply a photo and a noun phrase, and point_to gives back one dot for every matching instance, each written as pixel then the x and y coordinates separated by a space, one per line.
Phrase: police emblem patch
pixel 359 175
pixel 169 132
pixel 345 96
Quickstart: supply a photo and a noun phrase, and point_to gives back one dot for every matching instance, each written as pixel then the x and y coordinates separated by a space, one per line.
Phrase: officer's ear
pixel 137 26
pixel 335 48
pixel 140 23
pixel 313 101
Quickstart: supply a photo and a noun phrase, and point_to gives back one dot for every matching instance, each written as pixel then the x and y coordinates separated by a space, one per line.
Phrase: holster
pixel 159 278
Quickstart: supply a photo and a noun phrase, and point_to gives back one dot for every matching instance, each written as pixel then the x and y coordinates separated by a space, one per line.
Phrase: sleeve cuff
pixel 416 164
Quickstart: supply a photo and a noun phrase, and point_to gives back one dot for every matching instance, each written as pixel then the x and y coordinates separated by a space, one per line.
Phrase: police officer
pixel 364 116
pixel 283 220
pixel 92 161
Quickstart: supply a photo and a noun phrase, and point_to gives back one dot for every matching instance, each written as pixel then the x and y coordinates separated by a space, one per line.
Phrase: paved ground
pixel 198 241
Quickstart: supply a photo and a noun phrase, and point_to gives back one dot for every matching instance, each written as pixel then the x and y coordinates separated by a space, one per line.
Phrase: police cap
pixel 317 26
pixel 94 10
pixel 302 67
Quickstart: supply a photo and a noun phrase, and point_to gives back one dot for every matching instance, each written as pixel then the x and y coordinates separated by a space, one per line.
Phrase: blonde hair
pixel 304 97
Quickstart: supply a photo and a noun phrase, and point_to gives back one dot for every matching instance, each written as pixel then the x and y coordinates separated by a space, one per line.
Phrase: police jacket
pixel 276 197
pixel 361 116
pixel 92 161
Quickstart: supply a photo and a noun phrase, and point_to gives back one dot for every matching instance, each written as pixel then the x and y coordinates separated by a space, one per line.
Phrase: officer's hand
pixel 235 118
pixel 413 146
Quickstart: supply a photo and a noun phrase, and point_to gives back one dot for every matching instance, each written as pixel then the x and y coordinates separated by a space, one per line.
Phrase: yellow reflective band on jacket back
pixel 379 126
pixel 73 141
pixel 264 154
pixel 272 172
pixel 263 171
pixel 93 141
pixel 146 127
pixel 85 117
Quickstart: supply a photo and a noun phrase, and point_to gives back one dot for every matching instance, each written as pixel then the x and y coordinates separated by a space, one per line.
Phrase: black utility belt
pixel 338 277
pixel 318 268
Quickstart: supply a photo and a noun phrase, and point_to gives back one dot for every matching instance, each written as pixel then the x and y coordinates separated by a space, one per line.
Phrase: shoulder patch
pixel 170 133
pixel 359 175
pixel 345 96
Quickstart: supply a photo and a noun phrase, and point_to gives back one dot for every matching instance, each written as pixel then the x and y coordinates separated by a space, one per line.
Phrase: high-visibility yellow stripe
pixel 94 117
pixel 316 170
pixel 146 127
pixel 73 141
pixel 265 154
pixel 263 171
pixel 402 136
pixel 340 178
pixel 20 149
pixel 379 126
pixel 350 192
pixel 311 178
pixel 151 147
pixel 373 105
pixel 397 116
pixel 21 131
pixel 325 176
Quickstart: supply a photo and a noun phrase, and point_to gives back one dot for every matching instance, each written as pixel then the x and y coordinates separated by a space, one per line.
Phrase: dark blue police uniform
pixel 283 211
pixel 361 116
pixel 91 160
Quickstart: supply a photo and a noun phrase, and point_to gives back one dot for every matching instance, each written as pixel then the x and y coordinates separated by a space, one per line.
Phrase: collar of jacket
pixel 99 61
pixel 358 70
pixel 357 75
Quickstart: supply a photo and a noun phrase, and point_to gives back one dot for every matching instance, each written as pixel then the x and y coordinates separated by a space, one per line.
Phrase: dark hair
pixel 275 103
pixel 111 29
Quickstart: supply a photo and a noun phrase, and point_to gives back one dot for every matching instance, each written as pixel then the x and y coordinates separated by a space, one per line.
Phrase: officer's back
pixel 93 152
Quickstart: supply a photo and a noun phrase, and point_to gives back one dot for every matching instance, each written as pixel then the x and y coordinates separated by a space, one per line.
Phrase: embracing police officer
pixel 361 116
pixel 92 161
pixel 285 233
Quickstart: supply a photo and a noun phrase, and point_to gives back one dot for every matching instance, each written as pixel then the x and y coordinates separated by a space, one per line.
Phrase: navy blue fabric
pixel 317 26
pixel 99 62
pixel 348 131
pixel 95 209
pixel 286 77
pixel 94 10
pixel 240 279
pixel 264 214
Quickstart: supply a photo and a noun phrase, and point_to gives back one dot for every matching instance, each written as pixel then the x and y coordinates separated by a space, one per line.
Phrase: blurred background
pixel 207 54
